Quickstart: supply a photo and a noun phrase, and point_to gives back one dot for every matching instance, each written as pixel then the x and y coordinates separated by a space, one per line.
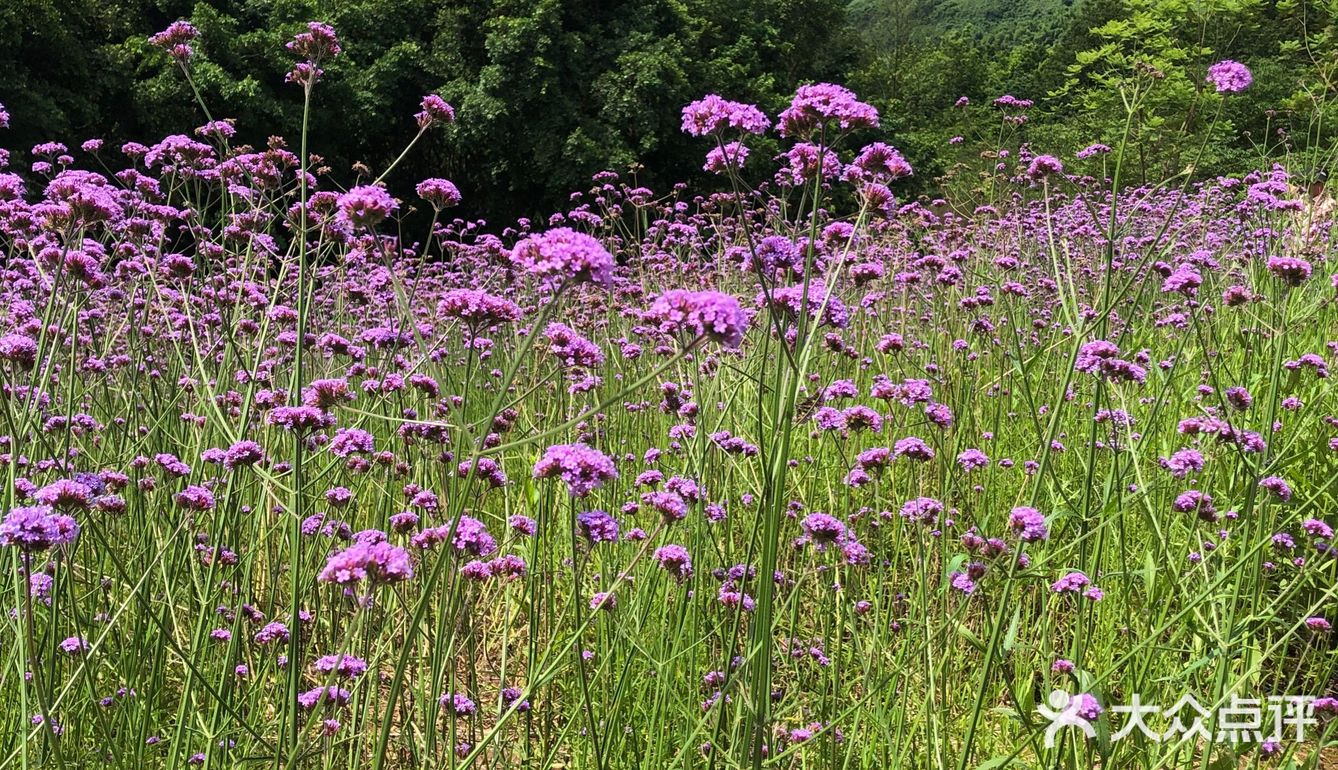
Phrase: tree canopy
pixel 548 92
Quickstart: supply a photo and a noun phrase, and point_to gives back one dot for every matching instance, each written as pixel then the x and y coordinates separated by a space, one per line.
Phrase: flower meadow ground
pixel 793 475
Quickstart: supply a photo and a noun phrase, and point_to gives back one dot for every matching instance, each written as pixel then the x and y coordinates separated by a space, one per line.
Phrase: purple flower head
pixel 349 441
pixel 333 696
pixel 379 562
pixel 722 159
pixel 714 115
pixel 675 560
pixel 773 253
pixel 1098 350
pixel 1043 166
pixel 243 453
pixel 709 314
pixel 347 666
pixel 318 42
pixel 508 567
pixel 441 193
pixel 1099 357
pixel 562 254
pixel 37 528
pixel 825 103
pixel 1183 462
pixel 1292 271
pixel 671 506
pixel 219 129
pixel 1229 77
pixel 792 301
pixel 823 529
pixel 19 349
pixel 839 389
pixel 487 469
pixel 435 111
pixel 477 308
pixel 74 645
pixel 511 696
pixel 914 448
pixel 366 206
pixel 1317 528
pixel 300 419
pixel 65 494
pixel 1008 101
pixel 1195 501
pixel 459 704
pixel 806 162
pixel 1184 280
pixel 1278 487
pixel 471 536
pixel 1085 706
pixel 962 582
pixel 860 417
pixel 922 510
pixel 597 526
pixel 1073 582
pixel 1093 150
pixel 195 498
pixel 881 162
pixel 972 459
pixel 1029 524
pixel 324 394
pixel 571 348
pixel 1239 398
pixel 583 468
pixel 272 632
pixel 176 39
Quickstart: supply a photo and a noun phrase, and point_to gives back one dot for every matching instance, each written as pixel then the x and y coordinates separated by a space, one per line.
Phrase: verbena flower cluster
pixel 799 472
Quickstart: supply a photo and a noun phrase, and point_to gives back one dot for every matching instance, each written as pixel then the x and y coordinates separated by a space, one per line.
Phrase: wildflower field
pixel 794 474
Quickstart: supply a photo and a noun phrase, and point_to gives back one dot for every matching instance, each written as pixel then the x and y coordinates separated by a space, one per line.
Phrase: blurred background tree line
pixel 550 91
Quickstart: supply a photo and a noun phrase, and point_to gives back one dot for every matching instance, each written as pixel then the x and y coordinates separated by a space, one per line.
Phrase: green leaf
pixel 970 636
pixel 1010 638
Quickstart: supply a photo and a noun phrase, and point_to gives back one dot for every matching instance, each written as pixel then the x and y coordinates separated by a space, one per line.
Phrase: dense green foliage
pixel 551 91
pixel 1081 63
pixel 548 92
